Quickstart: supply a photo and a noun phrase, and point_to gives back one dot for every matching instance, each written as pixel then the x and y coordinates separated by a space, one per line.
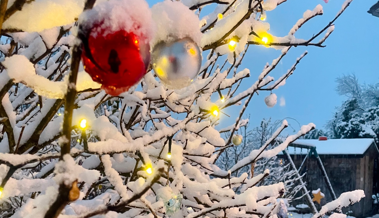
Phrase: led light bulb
pixel 232 45
pixel 83 123
pixel 149 170
pixel 265 39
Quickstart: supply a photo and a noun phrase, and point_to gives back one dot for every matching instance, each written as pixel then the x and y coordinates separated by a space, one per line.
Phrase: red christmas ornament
pixel 116 60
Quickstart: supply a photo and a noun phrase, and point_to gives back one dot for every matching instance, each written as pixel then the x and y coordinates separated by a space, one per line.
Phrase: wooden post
pixel 326 178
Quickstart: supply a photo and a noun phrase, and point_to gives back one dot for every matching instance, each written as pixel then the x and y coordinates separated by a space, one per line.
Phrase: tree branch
pixel 3 8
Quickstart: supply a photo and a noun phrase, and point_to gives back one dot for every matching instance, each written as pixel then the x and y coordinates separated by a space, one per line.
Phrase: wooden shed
pixel 350 164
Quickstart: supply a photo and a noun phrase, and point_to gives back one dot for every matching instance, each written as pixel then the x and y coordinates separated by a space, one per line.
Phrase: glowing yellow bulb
pixel 59 114
pixel 263 17
pixel 78 140
pixel 220 16
pixel 232 45
pixel 215 111
pixel 265 39
pixel 83 123
pixel 149 170
pixel 169 155
pixel 135 41
pixel 222 99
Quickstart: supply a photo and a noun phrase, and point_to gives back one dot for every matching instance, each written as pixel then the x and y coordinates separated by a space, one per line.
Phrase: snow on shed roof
pixel 333 146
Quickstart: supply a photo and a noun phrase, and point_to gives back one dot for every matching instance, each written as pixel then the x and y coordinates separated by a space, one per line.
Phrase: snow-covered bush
pixel 279 170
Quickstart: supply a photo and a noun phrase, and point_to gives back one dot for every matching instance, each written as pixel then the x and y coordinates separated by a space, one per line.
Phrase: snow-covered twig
pixel 104 209
pixel 344 200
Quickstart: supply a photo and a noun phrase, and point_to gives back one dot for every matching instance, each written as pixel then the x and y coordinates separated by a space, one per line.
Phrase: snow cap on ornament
pixel 173 21
pixel 116 36
pixel 176 55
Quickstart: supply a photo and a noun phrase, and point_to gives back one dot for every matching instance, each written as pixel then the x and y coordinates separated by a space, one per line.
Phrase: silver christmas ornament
pixel 176 63
pixel 173 204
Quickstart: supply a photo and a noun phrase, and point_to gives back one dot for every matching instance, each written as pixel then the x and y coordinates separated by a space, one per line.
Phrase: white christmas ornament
pixel 237 139
pixel 176 63
pixel 271 100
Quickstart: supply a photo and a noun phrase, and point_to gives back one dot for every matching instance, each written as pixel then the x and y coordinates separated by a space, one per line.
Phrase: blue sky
pixel 309 93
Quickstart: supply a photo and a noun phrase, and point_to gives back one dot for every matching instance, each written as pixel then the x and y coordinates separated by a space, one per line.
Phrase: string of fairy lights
pixel 265 39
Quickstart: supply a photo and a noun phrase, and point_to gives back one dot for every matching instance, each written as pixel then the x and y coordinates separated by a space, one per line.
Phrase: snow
pixel 84 81
pixel 337 215
pixel 302 206
pixel 222 26
pixel 39 206
pixel 205 130
pixel 17 159
pixel 344 200
pixel 174 21
pixel 20 69
pixel 318 10
pixel 317 191
pixel 50 36
pixel 140 120
pixel 5 48
pixel 67 171
pixel 114 15
pixel 25 186
pixel 92 162
pixel 40 84
pixel 270 5
pixel 46 14
pixel 113 177
pixel 334 146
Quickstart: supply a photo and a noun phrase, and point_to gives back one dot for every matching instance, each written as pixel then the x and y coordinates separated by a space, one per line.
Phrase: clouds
pixel 282 102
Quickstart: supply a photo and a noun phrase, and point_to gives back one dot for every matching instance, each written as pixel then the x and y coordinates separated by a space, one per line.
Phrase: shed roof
pixel 334 146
